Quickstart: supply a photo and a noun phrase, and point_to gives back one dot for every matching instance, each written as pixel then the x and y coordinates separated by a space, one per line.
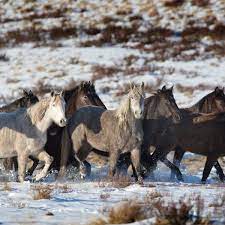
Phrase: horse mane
pixel 198 105
pixel 151 104
pixel 123 111
pixel 37 111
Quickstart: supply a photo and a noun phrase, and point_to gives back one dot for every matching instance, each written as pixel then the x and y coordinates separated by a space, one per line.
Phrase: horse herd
pixel 62 130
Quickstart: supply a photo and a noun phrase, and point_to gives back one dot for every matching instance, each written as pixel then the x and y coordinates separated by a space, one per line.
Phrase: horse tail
pixel 66 145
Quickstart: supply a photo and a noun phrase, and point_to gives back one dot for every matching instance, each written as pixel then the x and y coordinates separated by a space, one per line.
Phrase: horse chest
pixel 35 144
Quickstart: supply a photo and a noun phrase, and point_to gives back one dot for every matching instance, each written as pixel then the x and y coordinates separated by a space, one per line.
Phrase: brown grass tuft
pixel 128 212
pixel 6 187
pixel 42 192
pixel 118 181
pixel 166 213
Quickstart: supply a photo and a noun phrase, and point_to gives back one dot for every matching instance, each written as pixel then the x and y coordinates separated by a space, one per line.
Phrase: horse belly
pixel 7 143
pixel 205 142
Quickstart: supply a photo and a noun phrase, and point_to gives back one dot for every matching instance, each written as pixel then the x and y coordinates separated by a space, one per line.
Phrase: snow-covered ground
pixel 79 202
pixel 58 42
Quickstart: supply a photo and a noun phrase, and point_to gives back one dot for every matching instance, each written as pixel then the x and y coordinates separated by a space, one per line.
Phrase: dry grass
pixel 171 213
pixel 41 88
pixel 190 89
pixel 118 181
pixel 104 196
pixel 42 191
pixel 6 187
pixel 128 212
pixel 100 71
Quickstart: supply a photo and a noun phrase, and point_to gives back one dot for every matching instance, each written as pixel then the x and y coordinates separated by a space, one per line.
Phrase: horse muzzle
pixel 63 122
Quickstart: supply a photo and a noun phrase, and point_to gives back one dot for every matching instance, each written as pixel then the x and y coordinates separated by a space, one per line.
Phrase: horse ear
pixel 52 93
pixel 30 92
pixel 61 93
pixel 164 88
pixel 25 93
pixel 142 87
pixel 217 90
pixel 131 86
pixel 171 89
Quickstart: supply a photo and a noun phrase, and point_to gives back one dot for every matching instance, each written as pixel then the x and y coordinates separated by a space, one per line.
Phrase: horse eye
pixel 53 104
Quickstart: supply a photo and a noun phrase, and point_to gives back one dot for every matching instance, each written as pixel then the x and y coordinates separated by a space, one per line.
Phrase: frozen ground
pixel 78 202
pixel 52 43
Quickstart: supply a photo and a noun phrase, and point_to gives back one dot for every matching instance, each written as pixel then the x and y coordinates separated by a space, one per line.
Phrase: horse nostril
pixel 63 121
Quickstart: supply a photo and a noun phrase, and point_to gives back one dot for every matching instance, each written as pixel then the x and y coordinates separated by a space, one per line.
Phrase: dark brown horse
pixel 160 112
pixel 198 134
pixel 81 95
pixel 26 101
pixel 213 102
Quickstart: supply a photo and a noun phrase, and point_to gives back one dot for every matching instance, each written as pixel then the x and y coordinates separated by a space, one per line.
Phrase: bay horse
pixel 25 101
pixel 213 102
pixel 114 131
pixel 24 132
pixel 160 111
pixel 202 135
pixel 81 95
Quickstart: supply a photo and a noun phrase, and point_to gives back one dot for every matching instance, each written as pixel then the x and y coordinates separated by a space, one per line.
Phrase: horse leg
pixel 135 159
pixel 65 151
pixel 34 166
pixel 112 162
pixel 173 168
pixel 8 163
pixel 210 162
pixel 15 163
pixel 44 156
pixel 219 171
pixel 22 161
pixel 178 155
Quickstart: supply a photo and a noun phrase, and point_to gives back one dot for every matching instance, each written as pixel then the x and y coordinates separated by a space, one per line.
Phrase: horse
pixel 24 132
pixel 25 101
pixel 160 110
pixel 204 135
pixel 213 102
pixel 115 131
pixel 81 95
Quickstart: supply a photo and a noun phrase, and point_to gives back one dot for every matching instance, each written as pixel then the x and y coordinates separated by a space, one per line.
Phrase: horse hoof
pixel 140 180
pixel 38 177
pixel 203 181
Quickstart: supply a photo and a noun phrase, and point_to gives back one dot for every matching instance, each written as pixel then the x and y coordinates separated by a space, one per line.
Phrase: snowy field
pixel 58 43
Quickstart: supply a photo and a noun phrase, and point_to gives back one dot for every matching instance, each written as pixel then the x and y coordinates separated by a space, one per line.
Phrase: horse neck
pixel 151 108
pixel 202 106
pixel 12 106
pixel 41 124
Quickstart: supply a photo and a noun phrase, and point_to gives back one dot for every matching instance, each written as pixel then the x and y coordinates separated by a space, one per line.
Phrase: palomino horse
pixel 81 95
pixel 114 131
pixel 27 100
pixel 24 132
pixel 213 102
